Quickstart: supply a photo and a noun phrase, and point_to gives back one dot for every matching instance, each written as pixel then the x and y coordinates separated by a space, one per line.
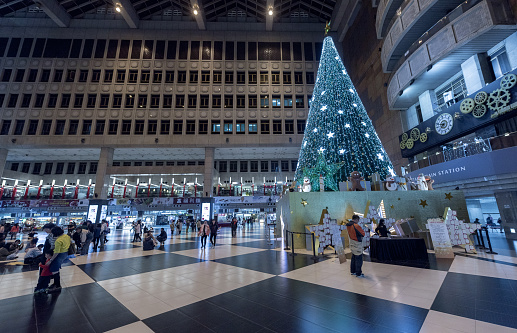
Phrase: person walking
pixel 234 227
pixel 61 246
pixel 179 223
pixel 356 234
pixel 104 232
pixel 86 238
pixel 97 231
pixel 44 276
pixel 204 231
pixel 14 231
pixel 214 226
pixel 138 231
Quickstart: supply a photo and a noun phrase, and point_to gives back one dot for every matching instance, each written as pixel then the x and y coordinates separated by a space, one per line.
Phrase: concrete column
pixel 409 118
pixel 3 159
pixel 427 104
pixel 511 50
pixel 476 72
pixel 208 180
pixel 102 179
pixel 507 204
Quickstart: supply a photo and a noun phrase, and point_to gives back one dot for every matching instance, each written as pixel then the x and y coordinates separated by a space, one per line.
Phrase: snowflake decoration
pixel 304 144
pixel 330 135
pixel 323 93
pixel 341 151
pixel 323 108
pixel 347 125
pixel 380 156
pixel 367 135
pixel 344 72
pixel 355 105
pixel 392 173
pixel 321 150
pixel 351 90
pixel 340 112
pixel 315 130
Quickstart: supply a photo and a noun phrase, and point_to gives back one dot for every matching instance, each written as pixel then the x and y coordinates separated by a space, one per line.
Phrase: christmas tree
pixel 338 129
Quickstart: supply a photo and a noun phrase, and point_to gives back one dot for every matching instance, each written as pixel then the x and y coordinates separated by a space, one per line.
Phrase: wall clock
pixel 443 124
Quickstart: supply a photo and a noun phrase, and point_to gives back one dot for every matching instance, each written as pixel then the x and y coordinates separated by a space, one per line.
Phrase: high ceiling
pixel 213 10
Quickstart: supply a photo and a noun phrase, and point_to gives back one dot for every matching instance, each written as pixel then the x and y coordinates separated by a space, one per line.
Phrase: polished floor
pixel 245 284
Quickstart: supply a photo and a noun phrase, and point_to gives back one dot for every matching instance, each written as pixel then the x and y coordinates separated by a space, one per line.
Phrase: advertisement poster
pixel 92 213
pixel 205 211
pixel 440 236
pixel 104 212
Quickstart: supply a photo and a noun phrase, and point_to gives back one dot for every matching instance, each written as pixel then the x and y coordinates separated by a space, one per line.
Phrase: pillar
pixel 507 204
pixel 102 178
pixel 476 72
pixel 428 104
pixel 409 118
pixel 3 160
pixel 208 174
pixel 511 50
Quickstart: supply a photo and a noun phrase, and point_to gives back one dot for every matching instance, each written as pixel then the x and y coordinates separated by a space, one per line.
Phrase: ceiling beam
pixel 270 5
pixel 128 12
pixel 55 11
pixel 144 9
pixel 200 17
pixel 9 4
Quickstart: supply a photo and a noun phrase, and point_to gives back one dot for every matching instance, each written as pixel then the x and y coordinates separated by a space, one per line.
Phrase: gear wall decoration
pixel 498 99
pixel 423 137
pixel 467 105
pixel 403 144
pixel 415 134
pixel 508 81
pixel 410 143
pixel 479 111
pixel 404 137
pixel 481 97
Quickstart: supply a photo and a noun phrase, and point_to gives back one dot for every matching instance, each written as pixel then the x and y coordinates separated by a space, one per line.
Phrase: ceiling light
pixel 117 8
pixel 270 11
pixel 195 12
pixel 195 9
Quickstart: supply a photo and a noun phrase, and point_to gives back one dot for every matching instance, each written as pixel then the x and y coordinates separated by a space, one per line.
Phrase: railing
pixel 461 150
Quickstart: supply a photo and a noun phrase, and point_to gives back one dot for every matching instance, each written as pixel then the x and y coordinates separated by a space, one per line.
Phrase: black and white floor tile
pixel 247 284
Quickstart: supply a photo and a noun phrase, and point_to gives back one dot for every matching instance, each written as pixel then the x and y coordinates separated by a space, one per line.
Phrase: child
pixel 45 275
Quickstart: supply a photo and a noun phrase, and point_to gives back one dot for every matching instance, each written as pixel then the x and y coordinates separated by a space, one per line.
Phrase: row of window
pixel 155 76
pixel 82 168
pixel 149 127
pixel 253 166
pixel 158 49
pixel 154 101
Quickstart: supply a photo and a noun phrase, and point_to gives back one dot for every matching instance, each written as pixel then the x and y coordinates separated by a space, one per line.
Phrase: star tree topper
pixel 328 171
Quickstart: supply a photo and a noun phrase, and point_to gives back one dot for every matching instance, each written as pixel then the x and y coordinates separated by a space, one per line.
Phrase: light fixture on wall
pixel 118 8
pixel 195 9
pixel 270 10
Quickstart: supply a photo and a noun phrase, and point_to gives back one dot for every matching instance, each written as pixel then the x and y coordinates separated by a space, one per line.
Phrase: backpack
pixel 358 235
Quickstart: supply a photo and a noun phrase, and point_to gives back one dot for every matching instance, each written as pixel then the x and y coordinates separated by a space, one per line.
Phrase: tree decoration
pixel 328 171
pixel 338 126
pixel 423 203
pixel 448 196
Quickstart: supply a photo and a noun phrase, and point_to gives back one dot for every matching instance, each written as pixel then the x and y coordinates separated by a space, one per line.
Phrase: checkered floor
pixel 245 284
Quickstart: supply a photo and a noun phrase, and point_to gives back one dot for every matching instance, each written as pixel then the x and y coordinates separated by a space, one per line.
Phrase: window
pixel 74 127
pixel 294 164
pixel 284 165
pixel 26 167
pixel 93 168
pixel 117 101
pixel 252 127
pixel 33 127
pixel 48 168
pixel 277 126
pixel 241 101
pixel 6 75
pixel 13 100
pixel 253 166
pixel 52 100
pixel 167 101
pixel 26 100
pixel 190 127
pixel 203 127
pixel 204 101
pixel 40 98
pixel 133 76
pixel 252 101
pixel 233 166
pixel 264 79
pixel 274 166
pixel 155 101
pixel 36 169
pixel 217 77
pixel 144 76
pixel 192 101
pixel 60 127
pixel 83 75
pixel 92 100
pixel 78 101
pixel 45 75
pixel 300 126
pixel 252 77
pixel 180 101
pixel 33 75
pixel 223 166
pixel 142 101
pixel 96 75
pixel 70 75
pixel 139 127
pixel 288 101
pixel 121 75
pixel 59 168
pixel 276 101
pixel 113 127
pixel 178 127
pixel 205 76
pixel 108 75
pixel 264 166
pixel 300 103
pixel 228 101
pixel 193 76
pixel 264 101
pixel 130 101
pixel 6 125
pixel 298 78
pixel 126 127
pixel 152 127
pixel 264 127
pixel 87 127
pixel 105 100
pixel 228 127
pixel 287 78
pixel 169 76
pixel 289 126
pixel 275 77
pixel 228 77
pixel 2 98
pixel 240 127
pixel 182 77
pixel 216 101
pixel 18 128
pixel 157 76
pixel 216 127
pixel 58 75
pixel 165 127
pixel 500 64
pixel 309 77
pixel 20 73
pixel 45 128
pixel 65 100
pixel 82 168
pixel 14 166
pixel 241 77
pixel 99 126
